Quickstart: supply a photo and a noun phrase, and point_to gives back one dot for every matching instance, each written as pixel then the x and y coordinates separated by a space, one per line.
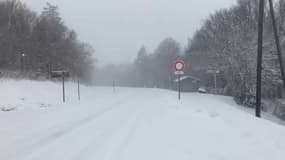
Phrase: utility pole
pixel 277 41
pixel 259 59
pixel 259 52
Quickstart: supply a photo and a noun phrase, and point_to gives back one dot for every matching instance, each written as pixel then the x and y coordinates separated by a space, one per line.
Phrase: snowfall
pixel 129 124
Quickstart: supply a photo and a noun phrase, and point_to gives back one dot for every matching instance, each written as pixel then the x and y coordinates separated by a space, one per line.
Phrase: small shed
pixel 188 83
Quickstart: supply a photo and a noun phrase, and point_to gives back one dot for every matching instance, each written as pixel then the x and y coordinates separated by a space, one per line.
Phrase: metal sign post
pixel 61 74
pixel 179 67
pixel 179 87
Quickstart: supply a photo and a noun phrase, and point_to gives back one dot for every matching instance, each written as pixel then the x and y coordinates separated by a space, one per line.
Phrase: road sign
pixel 179 72
pixel 179 65
pixel 62 74
pixel 59 74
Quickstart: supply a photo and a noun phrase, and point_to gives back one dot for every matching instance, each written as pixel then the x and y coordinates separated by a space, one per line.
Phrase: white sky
pixel 118 28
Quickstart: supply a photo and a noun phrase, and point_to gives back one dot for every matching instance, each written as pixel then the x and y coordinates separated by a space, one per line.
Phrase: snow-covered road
pixel 130 124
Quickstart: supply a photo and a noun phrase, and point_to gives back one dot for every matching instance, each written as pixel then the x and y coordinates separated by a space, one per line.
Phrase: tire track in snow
pixel 145 114
pixel 130 133
pixel 84 130
pixel 97 142
pixel 128 128
pixel 28 148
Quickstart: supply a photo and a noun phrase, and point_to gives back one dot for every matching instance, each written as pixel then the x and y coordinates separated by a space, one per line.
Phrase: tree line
pixel 227 42
pixel 33 44
pixel 225 46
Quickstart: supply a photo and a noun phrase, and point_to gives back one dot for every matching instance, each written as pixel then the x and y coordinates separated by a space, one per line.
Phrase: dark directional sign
pixel 58 74
pixel 61 74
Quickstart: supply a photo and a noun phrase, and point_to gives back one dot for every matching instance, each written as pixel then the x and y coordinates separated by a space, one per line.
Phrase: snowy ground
pixel 130 124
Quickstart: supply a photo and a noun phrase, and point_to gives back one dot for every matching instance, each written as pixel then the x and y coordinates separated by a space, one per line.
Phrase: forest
pixel 222 53
pixel 32 45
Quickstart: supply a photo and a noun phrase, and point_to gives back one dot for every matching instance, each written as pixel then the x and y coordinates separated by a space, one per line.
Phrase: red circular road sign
pixel 179 65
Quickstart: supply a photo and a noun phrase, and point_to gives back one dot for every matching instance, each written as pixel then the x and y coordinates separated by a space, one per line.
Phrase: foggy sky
pixel 118 28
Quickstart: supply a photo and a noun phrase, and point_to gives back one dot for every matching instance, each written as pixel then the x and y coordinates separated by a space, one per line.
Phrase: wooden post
pixel 63 88
pixel 78 90
pixel 259 59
